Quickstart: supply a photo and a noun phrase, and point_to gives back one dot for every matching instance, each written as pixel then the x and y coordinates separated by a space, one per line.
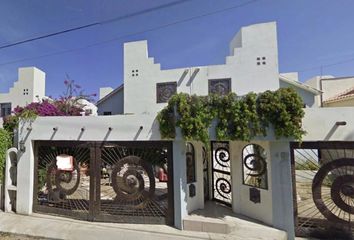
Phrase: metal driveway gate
pixel 323 189
pixel 105 181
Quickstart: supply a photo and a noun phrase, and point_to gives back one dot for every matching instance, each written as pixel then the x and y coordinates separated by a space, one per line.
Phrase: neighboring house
pixel 30 87
pixel 308 93
pixel 111 101
pixel 337 91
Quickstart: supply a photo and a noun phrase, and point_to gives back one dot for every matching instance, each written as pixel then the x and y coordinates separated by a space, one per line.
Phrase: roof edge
pixel 110 94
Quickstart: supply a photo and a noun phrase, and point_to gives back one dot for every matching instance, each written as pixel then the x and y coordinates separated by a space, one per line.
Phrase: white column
pixel 283 213
pixel 179 182
pixel 25 172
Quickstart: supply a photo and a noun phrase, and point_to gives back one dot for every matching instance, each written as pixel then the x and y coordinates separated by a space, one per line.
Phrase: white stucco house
pixel 30 87
pixel 118 168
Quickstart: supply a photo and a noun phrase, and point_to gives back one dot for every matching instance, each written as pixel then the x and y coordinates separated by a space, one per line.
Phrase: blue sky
pixel 311 33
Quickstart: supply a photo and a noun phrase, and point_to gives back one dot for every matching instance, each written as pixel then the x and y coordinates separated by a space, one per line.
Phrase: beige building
pixel 336 91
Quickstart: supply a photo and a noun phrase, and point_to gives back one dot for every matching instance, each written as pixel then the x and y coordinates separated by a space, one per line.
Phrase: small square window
pixel 264 63
pixel 136 70
pixel 133 75
pixel 263 58
pixel 258 58
pixel 258 63
pixel 133 71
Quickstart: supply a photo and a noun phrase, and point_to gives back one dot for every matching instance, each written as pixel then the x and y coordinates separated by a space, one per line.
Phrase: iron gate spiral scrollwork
pixel 255 166
pixel 221 173
pixel 128 181
pixel 65 182
pixel 59 189
pixel 333 175
pixel 135 183
pixel 111 181
pixel 324 189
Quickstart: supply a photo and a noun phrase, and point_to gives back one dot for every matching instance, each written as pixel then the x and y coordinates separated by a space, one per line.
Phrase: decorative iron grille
pixel 254 167
pixel 220 86
pixel 221 173
pixel 190 163
pixel 323 182
pixel 164 91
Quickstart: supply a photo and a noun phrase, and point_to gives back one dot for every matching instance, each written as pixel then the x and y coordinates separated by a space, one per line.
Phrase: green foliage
pixel 194 117
pixel 237 118
pixel 5 143
pixel 282 109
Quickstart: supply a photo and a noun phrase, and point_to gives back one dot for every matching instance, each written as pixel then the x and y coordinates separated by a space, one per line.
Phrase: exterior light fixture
pixel 22 146
pixel 341 123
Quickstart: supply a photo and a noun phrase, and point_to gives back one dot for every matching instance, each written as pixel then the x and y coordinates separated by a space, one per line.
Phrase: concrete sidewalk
pixel 65 228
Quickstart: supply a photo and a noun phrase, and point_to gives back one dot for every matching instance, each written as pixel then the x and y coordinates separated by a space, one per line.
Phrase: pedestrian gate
pixel 221 173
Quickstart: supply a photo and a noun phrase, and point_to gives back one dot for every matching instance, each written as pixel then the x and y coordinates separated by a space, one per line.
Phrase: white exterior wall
pixel 240 192
pixel 276 207
pixel 258 40
pixel 197 202
pixel 30 78
pixel 319 123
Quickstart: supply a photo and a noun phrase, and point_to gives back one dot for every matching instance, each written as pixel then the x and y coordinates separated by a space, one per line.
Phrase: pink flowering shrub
pixel 67 105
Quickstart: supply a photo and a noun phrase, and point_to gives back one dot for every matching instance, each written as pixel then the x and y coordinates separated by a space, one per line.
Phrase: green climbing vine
pixel 235 118
pixel 5 143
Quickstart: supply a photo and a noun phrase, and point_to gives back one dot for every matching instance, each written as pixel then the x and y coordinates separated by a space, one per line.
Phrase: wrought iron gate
pixel 221 172
pixel 110 181
pixel 323 189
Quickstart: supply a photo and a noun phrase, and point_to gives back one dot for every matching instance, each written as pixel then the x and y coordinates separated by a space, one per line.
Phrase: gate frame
pixel 95 174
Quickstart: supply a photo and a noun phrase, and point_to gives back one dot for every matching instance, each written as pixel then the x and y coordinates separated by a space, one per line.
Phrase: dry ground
pixel 11 236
